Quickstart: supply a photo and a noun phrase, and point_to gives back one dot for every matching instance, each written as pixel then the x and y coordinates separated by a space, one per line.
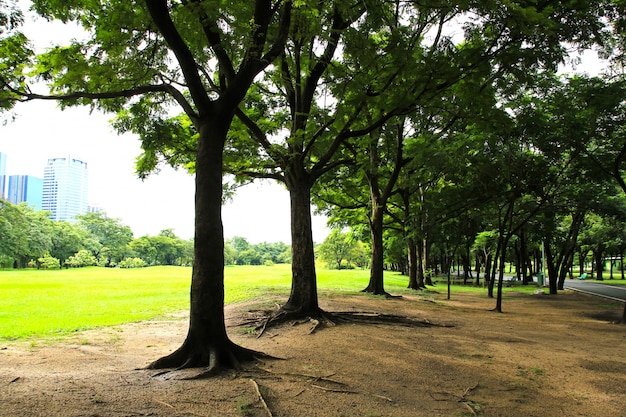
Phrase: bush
pixel 81 258
pixel 47 262
pixel 132 263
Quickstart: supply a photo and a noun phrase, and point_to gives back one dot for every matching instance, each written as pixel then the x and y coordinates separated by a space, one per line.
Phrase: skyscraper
pixel 25 188
pixel 3 174
pixel 65 188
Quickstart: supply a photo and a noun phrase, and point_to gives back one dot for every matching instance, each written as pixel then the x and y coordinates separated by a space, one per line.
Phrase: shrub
pixel 46 262
pixel 81 258
pixel 132 263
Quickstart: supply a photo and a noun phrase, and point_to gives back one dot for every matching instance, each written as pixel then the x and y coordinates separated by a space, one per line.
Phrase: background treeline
pixel 30 239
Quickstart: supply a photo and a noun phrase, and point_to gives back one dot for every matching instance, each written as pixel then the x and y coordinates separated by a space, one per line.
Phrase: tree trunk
pixel 303 298
pixel 581 261
pixel 420 264
pixel 426 262
pixel 502 245
pixel 376 284
pixel 207 344
pixel 552 270
pixel 467 268
pixel 487 278
pixel 478 271
pixel 412 255
pixel 524 261
pixel 492 271
pixel 599 263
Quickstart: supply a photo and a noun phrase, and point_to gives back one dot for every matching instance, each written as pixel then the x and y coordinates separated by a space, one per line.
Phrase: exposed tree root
pixel 211 359
pixel 263 320
pixel 261 399
pixel 314 382
pixel 312 378
pixel 384 293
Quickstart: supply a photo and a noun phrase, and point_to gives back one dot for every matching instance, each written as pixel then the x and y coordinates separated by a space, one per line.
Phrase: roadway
pixel 606 290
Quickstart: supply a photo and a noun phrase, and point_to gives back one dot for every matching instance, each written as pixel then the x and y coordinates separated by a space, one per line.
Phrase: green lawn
pixel 48 303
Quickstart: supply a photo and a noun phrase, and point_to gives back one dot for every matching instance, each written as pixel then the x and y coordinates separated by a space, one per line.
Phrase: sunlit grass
pixel 43 303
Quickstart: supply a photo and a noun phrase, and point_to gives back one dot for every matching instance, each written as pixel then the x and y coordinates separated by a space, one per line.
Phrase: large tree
pixel 139 59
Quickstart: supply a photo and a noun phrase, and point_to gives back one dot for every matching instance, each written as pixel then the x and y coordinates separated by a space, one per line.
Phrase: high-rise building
pixel 65 188
pixel 25 188
pixel 3 174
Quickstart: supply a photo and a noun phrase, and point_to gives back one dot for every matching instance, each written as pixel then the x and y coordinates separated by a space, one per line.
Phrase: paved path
pixel 614 292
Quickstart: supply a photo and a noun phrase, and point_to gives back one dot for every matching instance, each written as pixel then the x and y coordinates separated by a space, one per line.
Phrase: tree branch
pixel 159 12
pixel 23 96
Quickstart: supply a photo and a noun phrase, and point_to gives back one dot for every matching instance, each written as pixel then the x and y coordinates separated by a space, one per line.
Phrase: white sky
pixel 165 200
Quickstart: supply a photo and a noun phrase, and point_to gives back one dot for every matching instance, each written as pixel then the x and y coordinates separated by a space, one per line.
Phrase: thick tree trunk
pixel 207 344
pixel 303 298
pixel 376 284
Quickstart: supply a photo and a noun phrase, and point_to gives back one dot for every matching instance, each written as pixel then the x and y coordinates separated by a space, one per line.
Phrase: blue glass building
pixel 25 188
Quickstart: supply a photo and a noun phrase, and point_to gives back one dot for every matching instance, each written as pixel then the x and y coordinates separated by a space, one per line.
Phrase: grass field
pixel 54 303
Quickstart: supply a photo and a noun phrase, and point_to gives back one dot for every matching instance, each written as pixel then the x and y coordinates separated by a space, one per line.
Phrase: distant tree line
pixel 31 239
pixel 238 251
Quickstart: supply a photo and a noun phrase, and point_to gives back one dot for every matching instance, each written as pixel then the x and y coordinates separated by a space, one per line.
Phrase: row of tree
pixel 31 239
pixel 427 119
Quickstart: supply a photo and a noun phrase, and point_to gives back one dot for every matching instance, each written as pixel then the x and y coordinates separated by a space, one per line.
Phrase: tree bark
pixel 420 264
pixel 597 255
pixel 303 298
pixel 412 254
pixel 552 270
pixel 426 263
pixel 376 284
pixel 207 344
pixel 502 256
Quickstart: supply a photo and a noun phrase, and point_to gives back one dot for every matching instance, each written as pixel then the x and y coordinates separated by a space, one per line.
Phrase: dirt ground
pixel 545 356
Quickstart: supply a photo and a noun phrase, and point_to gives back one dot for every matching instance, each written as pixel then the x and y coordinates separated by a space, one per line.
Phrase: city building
pixel 65 188
pixel 3 174
pixel 95 209
pixel 25 188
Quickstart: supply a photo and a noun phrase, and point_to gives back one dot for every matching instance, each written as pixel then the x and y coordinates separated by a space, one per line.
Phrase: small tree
pixel 337 247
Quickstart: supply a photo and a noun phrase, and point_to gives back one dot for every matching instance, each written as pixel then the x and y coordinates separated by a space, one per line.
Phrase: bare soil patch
pixel 545 356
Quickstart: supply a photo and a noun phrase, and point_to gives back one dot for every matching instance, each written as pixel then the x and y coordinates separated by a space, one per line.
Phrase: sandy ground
pixel 545 356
